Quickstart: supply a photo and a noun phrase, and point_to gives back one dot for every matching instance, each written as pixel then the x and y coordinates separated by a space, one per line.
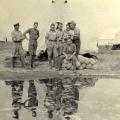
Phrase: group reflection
pixel 61 97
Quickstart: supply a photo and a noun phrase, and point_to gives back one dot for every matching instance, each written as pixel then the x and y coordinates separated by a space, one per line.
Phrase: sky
pixel 93 17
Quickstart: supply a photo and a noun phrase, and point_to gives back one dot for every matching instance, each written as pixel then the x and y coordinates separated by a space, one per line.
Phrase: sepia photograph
pixel 60 60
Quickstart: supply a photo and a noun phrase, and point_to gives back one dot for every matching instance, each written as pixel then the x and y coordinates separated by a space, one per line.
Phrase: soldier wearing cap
pixel 17 38
pixel 51 41
pixel 76 35
pixel 33 36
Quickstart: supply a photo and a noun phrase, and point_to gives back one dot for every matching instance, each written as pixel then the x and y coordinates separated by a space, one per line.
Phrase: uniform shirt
pixel 17 36
pixel 77 33
pixel 69 49
pixel 60 35
pixel 66 34
pixel 34 33
pixel 51 36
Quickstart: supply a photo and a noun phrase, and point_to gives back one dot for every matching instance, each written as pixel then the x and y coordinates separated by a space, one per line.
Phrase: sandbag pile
pixel 82 63
pixel 86 63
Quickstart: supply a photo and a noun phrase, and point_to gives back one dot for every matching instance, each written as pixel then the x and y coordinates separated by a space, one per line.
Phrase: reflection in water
pixel 17 91
pixel 62 95
pixel 61 98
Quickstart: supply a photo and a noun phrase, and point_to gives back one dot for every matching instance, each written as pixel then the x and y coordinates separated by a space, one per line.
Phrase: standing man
pixel 51 41
pixel 76 36
pixel 60 36
pixel 33 36
pixel 17 38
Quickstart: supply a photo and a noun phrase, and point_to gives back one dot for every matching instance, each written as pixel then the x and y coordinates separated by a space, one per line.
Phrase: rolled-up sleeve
pixel 74 48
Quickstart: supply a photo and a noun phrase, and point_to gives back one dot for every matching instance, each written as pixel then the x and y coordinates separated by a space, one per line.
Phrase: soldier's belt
pixel 53 40
pixel 17 41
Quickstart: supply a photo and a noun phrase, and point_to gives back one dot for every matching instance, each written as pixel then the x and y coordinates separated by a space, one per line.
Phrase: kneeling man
pixel 69 53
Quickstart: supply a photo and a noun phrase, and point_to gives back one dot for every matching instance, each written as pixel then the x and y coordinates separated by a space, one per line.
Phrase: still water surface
pixel 85 98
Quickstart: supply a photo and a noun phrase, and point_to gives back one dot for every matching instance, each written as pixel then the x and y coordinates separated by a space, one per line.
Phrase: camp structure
pixel 109 40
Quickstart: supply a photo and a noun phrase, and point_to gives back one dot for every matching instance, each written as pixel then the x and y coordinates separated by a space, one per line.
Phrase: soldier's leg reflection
pixel 17 92
pixel 70 97
pixel 32 103
pixel 49 101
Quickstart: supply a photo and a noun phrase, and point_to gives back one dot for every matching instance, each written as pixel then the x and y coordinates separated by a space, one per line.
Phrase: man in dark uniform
pixel 69 53
pixel 33 36
pixel 76 35
pixel 17 39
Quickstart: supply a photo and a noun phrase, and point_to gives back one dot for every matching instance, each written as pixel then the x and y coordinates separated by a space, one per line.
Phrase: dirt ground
pixel 107 66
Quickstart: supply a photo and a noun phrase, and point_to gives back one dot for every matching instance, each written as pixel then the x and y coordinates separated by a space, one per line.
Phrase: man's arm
pixel 77 33
pixel 64 52
pixel 13 36
pixel 26 32
pixel 46 38
pixel 37 36
pixel 74 51
pixel 72 55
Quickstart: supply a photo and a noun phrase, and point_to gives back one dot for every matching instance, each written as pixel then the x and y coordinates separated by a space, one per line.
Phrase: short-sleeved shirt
pixel 69 49
pixel 17 36
pixel 33 33
pixel 60 35
pixel 51 36
pixel 66 34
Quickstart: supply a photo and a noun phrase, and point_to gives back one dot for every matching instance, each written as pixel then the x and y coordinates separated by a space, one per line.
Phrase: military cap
pixel 52 24
pixel 16 24
pixel 72 22
pixel 35 23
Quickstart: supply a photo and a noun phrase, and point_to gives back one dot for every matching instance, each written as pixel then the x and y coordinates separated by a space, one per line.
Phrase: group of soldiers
pixel 63 44
pixel 18 37
pixel 60 44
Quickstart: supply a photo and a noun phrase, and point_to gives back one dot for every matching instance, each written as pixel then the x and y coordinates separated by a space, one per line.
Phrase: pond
pixel 68 98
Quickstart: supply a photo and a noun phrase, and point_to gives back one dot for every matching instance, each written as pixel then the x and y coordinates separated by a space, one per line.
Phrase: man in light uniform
pixel 17 38
pixel 51 41
pixel 33 36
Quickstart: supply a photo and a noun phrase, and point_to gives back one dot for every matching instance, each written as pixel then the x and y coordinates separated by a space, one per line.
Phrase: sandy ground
pixel 107 65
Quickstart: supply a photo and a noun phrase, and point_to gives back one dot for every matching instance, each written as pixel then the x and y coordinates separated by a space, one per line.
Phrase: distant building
pixel 109 40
